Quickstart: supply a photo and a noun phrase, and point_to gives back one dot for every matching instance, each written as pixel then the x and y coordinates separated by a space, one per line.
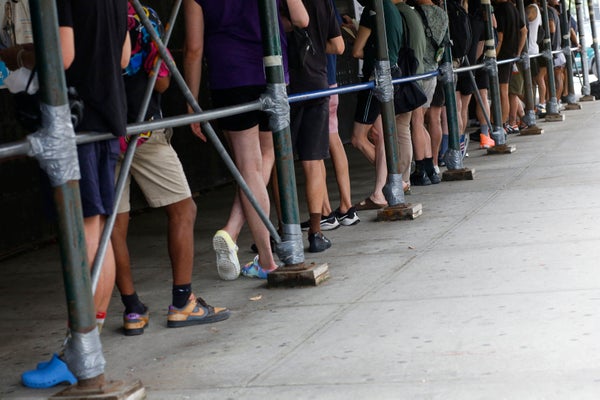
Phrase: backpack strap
pixel 428 32
pixel 405 31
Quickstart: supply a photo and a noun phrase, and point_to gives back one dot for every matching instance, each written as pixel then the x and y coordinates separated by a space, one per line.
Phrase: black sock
pixel 428 165
pixel 181 294
pixel 133 304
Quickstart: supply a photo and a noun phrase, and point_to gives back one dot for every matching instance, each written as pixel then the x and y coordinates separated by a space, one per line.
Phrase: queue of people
pixel 235 75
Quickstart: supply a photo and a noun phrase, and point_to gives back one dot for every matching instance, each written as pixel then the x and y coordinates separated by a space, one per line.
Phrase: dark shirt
pixel 393 31
pixel 99 28
pixel 323 26
pixel 509 23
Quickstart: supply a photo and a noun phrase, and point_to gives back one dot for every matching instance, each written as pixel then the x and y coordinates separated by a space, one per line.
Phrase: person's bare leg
pixel 540 79
pixel 315 188
pixel 381 170
pixel 420 136
pixel 434 124
pixel 181 218
pixel 93 227
pixel 504 102
pixel 342 172
pixel 248 156
pixel 124 278
pixel 361 141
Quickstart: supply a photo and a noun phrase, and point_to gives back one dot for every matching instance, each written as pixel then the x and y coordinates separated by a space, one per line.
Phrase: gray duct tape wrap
pixel 83 354
pixel 446 74
pixel 525 63
pixel 491 66
pixel 54 145
pixel 384 89
pixel 547 54
pixel 393 191
pixel 275 102
pixel 453 159
pixel 291 248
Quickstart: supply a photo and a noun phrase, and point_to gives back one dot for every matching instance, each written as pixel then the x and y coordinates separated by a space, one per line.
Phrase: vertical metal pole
pixel 453 161
pixel 393 191
pixel 552 106
pixel 76 273
pixel 529 117
pixel 498 133
pixel 282 140
pixel 585 89
pixel 565 29
pixel 594 37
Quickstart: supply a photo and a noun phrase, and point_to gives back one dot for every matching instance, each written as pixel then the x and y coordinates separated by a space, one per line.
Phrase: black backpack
pixel 459 25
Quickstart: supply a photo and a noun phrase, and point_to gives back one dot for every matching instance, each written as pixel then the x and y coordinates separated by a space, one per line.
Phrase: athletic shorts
pixel 439 98
pixel 158 172
pixel 504 72
pixel 534 66
pixel 517 84
pixel 309 126
pixel 428 86
pixel 236 96
pixel 334 101
pixel 97 163
pixel 368 107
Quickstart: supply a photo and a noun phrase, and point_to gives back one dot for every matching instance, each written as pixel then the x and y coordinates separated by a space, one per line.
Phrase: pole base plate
pixel 531 130
pixel 555 117
pixel 461 174
pixel 587 97
pixel 406 211
pixel 110 390
pixel 573 106
pixel 299 275
pixel 502 149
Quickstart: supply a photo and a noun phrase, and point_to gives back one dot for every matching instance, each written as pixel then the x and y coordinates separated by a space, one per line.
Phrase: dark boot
pixel 419 177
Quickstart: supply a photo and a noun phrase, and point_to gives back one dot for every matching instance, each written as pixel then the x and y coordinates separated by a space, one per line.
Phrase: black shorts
pixel 240 95
pixel 439 98
pixel 504 72
pixel 534 66
pixel 309 123
pixel 368 107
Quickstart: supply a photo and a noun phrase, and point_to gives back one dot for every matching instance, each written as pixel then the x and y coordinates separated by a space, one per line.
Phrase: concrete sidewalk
pixel 491 294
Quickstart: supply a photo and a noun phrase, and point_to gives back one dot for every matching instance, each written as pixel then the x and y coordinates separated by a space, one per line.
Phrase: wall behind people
pixel 22 209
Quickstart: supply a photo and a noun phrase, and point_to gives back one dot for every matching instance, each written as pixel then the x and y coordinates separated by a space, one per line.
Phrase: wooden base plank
pixel 555 117
pixel 573 106
pixel 406 211
pixel 461 174
pixel 299 275
pixel 502 149
pixel 111 390
pixel 589 97
pixel 531 130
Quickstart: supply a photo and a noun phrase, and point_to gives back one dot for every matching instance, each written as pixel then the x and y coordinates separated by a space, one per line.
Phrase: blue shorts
pixel 97 163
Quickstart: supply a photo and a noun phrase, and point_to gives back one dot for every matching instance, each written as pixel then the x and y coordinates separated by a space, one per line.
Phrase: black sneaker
pixel 434 178
pixel 420 178
pixel 349 218
pixel 318 243
pixel 328 223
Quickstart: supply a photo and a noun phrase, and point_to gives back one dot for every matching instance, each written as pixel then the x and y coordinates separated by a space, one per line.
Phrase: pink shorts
pixel 334 100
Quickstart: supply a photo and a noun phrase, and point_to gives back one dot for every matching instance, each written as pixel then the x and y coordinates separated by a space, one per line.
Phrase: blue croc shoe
pixel 48 375
pixel 254 270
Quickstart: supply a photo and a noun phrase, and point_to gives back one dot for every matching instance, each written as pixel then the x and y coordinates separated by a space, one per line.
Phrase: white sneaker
pixel 228 265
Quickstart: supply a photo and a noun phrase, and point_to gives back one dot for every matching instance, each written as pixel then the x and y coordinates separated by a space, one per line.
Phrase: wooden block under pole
pixel 531 130
pixel 573 106
pixel 501 149
pixel 588 97
pixel 299 275
pixel 110 390
pixel 555 117
pixel 460 174
pixel 400 212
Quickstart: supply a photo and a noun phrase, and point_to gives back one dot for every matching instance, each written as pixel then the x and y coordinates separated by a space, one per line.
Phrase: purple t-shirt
pixel 233 43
